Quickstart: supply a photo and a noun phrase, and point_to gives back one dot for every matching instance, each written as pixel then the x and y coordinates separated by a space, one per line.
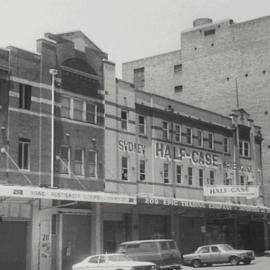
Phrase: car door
pixel 204 254
pixel 215 254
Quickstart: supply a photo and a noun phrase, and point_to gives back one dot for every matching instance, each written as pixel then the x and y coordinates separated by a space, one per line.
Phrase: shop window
pixel 189 135
pixel 165 130
pixel 25 96
pixel 124 120
pixel 178 88
pixel 244 148
pixel 177 133
pixel 64 161
pixel 124 165
pixel 211 140
pixel 91 113
pixel 178 68
pixel 139 77
pixel 65 106
pixel 201 177
pixel 212 177
pixel 78 162
pixel 24 154
pixel 190 175
pixel 166 173
pixel 142 169
pixel 78 109
pixel 92 163
pixel 178 174
pixel 226 145
pixel 142 125
pixel 200 138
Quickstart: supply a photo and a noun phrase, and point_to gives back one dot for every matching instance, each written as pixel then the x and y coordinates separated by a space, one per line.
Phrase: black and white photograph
pixel 134 134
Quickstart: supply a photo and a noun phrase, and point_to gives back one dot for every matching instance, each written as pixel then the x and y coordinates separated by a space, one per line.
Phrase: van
pixel 163 252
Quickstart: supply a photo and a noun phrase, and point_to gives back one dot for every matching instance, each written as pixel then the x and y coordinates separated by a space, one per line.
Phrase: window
pixel 166 173
pixel 226 145
pixel 139 77
pixel 212 177
pixel 215 249
pixel 178 88
pixel 200 138
pixel 25 97
pixel 124 120
pixel 124 164
pixel 165 130
pixel 209 32
pixel 211 140
pixel 78 109
pixel 177 133
pixel 64 160
pixel 23 154
pixel 142 125
pixel 178 68
pixel 78 162
pixel 227 180
pixel 92 163
pixel 244 148
pixel 142 169
pixel 65 106
pixel 189 135
pixel 201 177
pixel 91 115
pixel 204 250
pixel 178 174
pixel 190 172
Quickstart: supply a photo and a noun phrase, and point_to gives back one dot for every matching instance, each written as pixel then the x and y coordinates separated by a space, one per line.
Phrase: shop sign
pixel 131 147
pixel 237 166
pixel 231 191
pixel 64 194
pixel 180 153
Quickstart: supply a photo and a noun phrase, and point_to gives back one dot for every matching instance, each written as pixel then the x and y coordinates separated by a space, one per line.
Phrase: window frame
pixel 190 176
pixel 165 173
pixel 142 125
pixel 25 94
pixel 66 161
pixel 66 108
pixel 179 174
pixel 139 77
pixel 76 162
pixel 226 143
pixel 200 139
pixel 165 130
pixel 124 127
pixel 75 110
pixel 95 175
pixel 211 177
pixel 87 112
pixel 142 170
pixel 178 133
pixel 211 140
pixel 242 148
pixel 124 170
pixel 189 135
pixel 201 177
pixel 24 147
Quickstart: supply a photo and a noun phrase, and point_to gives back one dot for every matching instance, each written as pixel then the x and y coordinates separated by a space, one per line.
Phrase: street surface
pixel 260 263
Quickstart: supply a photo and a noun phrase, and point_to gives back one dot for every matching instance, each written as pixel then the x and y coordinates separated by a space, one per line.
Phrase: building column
pixel 134 224
pixel 173 224
pixel 97 230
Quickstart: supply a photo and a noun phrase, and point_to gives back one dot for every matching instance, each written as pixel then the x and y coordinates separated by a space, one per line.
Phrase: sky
pixel 125 29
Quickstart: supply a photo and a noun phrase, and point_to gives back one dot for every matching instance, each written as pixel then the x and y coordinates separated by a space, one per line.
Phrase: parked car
pixel 163 252
pixel 219 253
pixel 112 262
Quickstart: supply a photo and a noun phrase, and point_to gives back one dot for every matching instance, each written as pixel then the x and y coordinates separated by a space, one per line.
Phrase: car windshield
pixel 118 258
pixel 226 247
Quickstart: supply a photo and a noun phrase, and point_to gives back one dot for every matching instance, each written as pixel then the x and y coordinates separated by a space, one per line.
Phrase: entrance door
pixel 76 239
pixel 13 245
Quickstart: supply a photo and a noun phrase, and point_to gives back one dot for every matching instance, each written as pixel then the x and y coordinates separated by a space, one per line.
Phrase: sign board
pixel 64 194
pixel 231 191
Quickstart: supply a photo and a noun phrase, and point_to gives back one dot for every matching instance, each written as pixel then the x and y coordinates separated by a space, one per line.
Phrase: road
pixel 260 263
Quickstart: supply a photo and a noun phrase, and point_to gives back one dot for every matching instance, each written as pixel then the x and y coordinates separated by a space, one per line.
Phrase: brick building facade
pixel 216 60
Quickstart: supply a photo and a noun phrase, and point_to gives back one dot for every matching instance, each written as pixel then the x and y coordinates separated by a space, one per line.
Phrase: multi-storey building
pixel 51 214
pixel 165 152
pixel 218 65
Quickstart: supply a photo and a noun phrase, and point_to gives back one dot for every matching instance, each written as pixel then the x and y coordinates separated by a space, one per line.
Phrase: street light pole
pixel 53 72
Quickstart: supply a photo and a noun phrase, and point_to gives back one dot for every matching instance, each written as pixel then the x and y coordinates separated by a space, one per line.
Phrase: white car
pixel 112 262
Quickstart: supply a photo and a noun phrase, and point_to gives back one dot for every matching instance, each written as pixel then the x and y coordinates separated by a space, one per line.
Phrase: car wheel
pixel 196 263
pixel 247 261
pixel 234 260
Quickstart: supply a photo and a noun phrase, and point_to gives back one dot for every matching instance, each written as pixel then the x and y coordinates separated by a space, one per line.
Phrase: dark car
pixel 219 253
pixel 163 252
